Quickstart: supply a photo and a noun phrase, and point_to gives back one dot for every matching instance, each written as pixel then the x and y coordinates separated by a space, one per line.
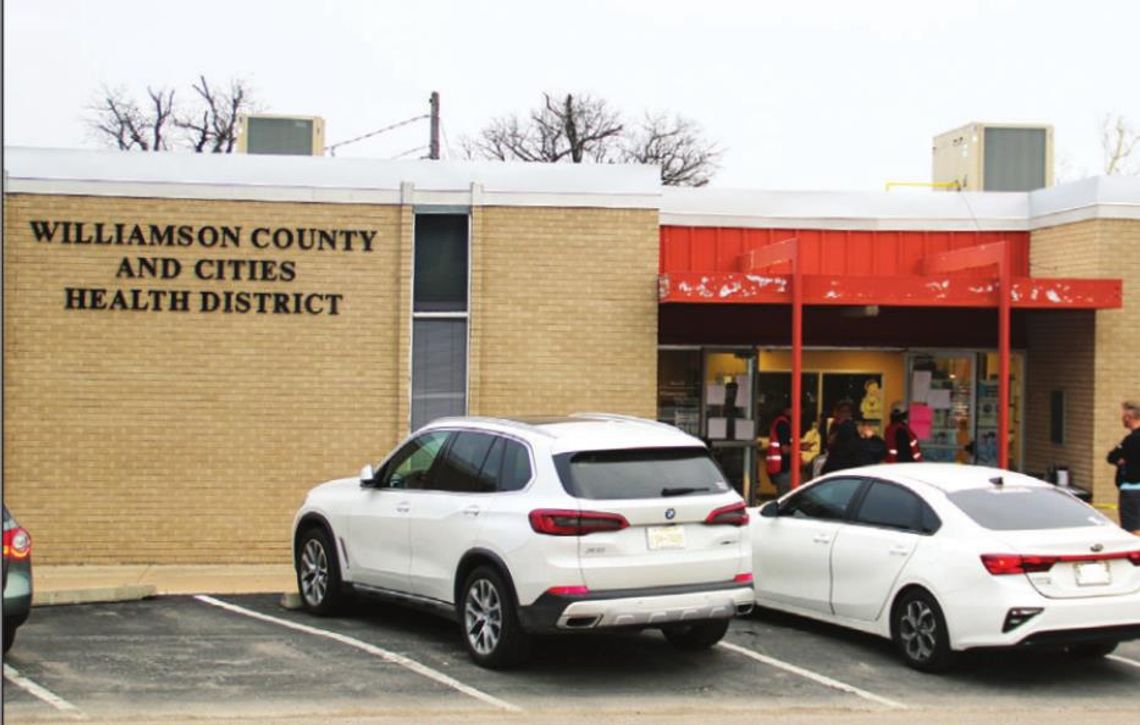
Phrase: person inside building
pixel 1126 458
pixel 779 456
pixel 842 438
pixel 902 443
pixel 872 448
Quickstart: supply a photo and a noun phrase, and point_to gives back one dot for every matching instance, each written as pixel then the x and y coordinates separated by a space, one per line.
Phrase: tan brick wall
pixel 1108 249
pixel 1060 356
pixel 566 318
pixel 186 437
pixel 181 436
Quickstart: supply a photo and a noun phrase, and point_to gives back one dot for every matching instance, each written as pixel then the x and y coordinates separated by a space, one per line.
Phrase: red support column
pixel 1005 274
pixel 797 358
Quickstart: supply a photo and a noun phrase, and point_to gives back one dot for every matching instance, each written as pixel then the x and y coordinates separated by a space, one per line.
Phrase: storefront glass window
pixel 679 389
pixel 986 449
pixel 941 396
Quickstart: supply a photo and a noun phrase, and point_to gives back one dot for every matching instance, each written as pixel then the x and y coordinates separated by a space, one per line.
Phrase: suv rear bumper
pixel 651 607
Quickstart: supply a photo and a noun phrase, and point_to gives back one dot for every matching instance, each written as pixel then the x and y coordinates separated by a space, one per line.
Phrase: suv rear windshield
pixel 639 473
pixel 1022 509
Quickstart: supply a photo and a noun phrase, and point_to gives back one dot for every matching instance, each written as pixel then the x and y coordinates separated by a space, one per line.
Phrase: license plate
pixel 1092 573
pixel 666 537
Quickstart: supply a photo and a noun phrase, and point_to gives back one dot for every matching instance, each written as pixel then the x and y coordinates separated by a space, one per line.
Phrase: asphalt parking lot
pixel 245 658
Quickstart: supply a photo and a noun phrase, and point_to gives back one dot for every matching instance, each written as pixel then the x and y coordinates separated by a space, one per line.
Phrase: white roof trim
pixel 1106 197
pixel 368 181
pixel 326 179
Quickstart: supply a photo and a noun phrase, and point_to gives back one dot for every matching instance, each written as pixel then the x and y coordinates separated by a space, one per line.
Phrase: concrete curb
pixel 92 595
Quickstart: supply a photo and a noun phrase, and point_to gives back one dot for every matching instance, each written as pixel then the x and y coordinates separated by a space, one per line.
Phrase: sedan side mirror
pixel 770 510
pixel 367 475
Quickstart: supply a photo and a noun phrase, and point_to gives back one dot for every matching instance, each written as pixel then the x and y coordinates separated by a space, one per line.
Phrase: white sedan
pixel 942 558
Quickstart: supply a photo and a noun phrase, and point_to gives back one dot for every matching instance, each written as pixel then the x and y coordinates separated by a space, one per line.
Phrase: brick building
pixel 191 342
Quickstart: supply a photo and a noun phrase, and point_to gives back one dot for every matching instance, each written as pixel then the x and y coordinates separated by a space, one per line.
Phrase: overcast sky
pixel 801 95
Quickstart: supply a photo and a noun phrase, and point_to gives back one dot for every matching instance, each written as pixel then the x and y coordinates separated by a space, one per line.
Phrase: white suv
pixel 520 527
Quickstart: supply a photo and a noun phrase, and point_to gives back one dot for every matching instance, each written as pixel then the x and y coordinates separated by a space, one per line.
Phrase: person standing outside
pixel 902 443
pixel 779 456
pixel 842 439
pixel 872 448
pixel 1126 458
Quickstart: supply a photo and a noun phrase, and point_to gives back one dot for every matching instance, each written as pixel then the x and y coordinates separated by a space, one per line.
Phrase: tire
pixel 1092 650
pixel 318 573
pixel 696 636
pixel 488 621
pixel 9 636
pixel 919 632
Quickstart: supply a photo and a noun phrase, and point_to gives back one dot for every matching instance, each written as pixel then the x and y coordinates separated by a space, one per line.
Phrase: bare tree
pixel 579 128
pixel 214 124
pixel 211 125
pixel 126 125
pixel 562 129
pixel 676 144
pixel 1119 140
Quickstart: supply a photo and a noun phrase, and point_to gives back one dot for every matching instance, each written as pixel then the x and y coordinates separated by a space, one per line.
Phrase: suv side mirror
pixel 770 510
pixel 367 475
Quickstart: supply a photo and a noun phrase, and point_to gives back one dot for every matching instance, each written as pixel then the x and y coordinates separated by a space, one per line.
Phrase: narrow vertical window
pixel 439 318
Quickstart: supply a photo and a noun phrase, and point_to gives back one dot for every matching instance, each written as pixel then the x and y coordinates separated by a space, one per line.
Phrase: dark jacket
pixel 1126 458
pixel 871 451
pixel 842 447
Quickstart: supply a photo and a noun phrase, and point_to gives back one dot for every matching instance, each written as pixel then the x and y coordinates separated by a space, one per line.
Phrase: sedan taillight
pixel 998 564
pixel 732 515
pixel 17 543
pixel 567 522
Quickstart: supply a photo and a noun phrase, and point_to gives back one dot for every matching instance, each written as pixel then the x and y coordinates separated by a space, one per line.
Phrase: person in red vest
pixel 779 456
pixel 902 443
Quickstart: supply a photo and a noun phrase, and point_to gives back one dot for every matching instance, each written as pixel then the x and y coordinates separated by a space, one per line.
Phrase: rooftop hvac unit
pixel 288 135
pixel 994 157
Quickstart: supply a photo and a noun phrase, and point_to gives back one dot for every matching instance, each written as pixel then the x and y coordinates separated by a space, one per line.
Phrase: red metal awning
pixel 909 291
pixel 986 273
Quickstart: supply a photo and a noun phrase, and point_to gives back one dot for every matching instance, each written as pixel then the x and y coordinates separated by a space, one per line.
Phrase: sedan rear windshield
pixel 1023 509
pixel 639 473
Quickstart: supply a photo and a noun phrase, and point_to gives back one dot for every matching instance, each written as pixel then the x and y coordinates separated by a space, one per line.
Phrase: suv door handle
pixel 899 551
pixel 821 539
pixel 403 507
pixel 472 510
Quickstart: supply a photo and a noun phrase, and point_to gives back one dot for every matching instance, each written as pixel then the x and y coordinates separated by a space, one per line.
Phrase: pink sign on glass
pixel 921 419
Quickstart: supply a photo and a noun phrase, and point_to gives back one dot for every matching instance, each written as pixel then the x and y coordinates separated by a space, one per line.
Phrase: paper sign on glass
pixel 938 399
pixel 714 394
pixel 921 420
pixel 718 428
pixel 920 386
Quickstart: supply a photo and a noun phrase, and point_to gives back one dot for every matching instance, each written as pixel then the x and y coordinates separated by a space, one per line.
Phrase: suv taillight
pixel 566 522
pixel 17 543
pixel 733 515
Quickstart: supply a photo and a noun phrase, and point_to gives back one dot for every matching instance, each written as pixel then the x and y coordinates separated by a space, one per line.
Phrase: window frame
pixel 464 315
pixel 915 528
pixel 384 477
pixel 852 504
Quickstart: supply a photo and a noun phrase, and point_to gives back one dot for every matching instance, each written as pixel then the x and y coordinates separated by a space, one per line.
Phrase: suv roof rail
pixel 626 418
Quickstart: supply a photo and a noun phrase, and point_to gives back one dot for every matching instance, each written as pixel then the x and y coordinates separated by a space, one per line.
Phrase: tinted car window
pixel 828 500
pixel 1009 508
pixel 516 466
pixel 639 473
pixel 462 464
pixel 891 506
pixel 409 467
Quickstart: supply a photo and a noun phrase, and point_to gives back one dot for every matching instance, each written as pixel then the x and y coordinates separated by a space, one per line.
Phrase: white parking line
pixel 40 692
pixel 1123 660
pixel 371 649
pixel 813 676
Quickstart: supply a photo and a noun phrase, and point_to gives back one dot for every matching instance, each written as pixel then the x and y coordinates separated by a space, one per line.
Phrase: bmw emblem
pixel 670 514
